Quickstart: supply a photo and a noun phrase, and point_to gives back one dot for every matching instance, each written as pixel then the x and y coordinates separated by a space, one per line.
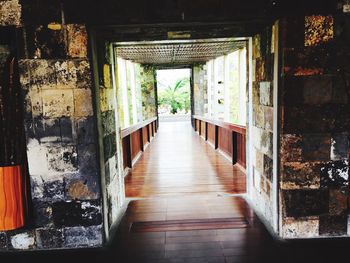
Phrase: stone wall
pixel 148 92
pixel 55 76
pixel 261 189
pixel 109 131
pixel 200 88
pixel 315 126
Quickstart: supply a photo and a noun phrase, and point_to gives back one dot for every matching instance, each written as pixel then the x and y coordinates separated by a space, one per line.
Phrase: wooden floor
pixel 178 162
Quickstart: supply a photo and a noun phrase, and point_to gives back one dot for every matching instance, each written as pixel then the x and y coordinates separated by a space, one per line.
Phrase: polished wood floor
pixel 179 163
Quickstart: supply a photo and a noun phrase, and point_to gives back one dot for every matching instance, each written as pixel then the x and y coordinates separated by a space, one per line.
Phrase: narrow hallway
pixel 178 162
pixel 185 210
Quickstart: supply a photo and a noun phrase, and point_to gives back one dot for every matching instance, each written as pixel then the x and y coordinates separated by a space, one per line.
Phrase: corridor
pixel 179 163
pixel 185 210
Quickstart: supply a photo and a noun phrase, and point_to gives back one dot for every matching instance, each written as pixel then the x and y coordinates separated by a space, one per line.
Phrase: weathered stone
pixel 333 225
pixel 259 116
pixel 66 129
pixel 77 41
pixel 23 241
pixel 79 190
pixel 82 103
pixel 83 73
pixel 291 148
pixel 33 12
pixel 256 46
pixel 85 130
pixel 317 89
pixel 109 146
pixel 37 159
pixel 54 190
pixel 76 213
pixel 300 203
pixel 293 90
pixel 34 99
pixel 318 30
pixel 87 160
pixel 316 147
pixel 260 73
pixel 58 103
pixel 108 122
pixel 49 43
pixel 267 143
pixel 266 97
pixel 301 228
pixel 62 158
pixel 335 174
pixel 268 116
pixel 268 168
pixel 340 94
pixel 10 13
pixel 49 238
pixel 338 202
pixel 340 146
pixel 47 130
pixel 297 175
pixel 66 73
pixel 42 213
pixel 83 236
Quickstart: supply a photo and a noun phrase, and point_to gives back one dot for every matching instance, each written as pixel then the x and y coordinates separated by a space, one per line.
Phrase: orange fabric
pixel 11 198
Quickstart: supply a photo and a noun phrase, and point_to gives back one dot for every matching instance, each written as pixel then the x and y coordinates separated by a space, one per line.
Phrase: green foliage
pixel 177 97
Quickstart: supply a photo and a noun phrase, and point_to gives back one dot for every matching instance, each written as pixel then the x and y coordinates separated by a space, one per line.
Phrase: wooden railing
pixel 227 137
pixel 135 138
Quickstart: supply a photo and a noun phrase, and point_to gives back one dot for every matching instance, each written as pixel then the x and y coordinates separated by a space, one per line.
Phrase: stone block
pixel 301 228
pixel 66 129
pixel 66 73
pixel 78 189
pixel 43 73
pixel 85 131
pixel 87 160
pixel 108 122
pixel 268 168
pixel 317 89
pixel 75 213
pixel 47 130
pixel 53 190
pixel 82 103
pixel 58 103
pixel 333 225
pixel 62 158
pixel 23 241
pixel 47 42
pixel 42 213
pixel 83 236
pixel 340 94
pixel 338 202
pixel 301 203
pixel 49 238
pixel 335 174
pixel 260 73
pixel 259 119
pixel 316 147
pixel 10 13
pixel 266 96
pixel 291 148
pixel 83 73
pixel 109 146
pixel 37 159
pixel 318 30
pixel 267 143
pixel 296 175
pixel 77 41
pixel 268 118
pixel 339 146
pixel 34 98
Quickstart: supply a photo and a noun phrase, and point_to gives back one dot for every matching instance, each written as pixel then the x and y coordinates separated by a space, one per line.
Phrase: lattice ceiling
pixel 177 53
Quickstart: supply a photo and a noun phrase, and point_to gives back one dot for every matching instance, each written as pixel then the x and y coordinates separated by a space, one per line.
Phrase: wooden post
pixel 234 148
pixel 216 145
pixel 128 151
pixel 206 131
pixel 200 127
pixel 141 140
